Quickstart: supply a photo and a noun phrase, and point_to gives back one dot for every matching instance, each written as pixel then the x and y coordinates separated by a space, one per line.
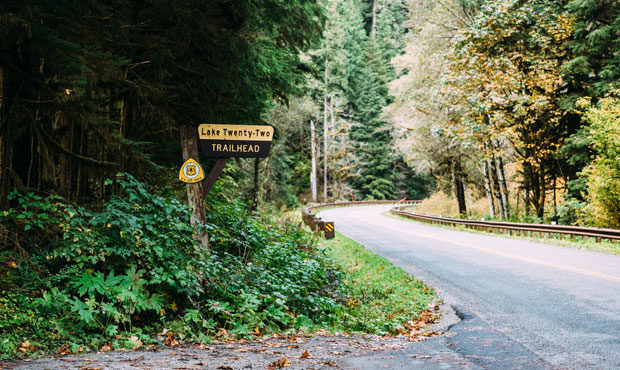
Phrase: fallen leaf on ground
pixel 283 362
pixel 105 348
pixel 26 347
pixel 224 367
pixel 136 340
pixel 171 340
pixel 135 359
pixel 331 363
pixel 305 355
pixel 64 349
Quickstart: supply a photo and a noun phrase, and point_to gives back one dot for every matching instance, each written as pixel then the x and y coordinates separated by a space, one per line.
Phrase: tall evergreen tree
pixel 372 135
pixel 91 88
pixel 595 43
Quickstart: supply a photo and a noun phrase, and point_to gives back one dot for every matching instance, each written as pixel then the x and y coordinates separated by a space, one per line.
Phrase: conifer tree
pixel 595 40
pixel 372 136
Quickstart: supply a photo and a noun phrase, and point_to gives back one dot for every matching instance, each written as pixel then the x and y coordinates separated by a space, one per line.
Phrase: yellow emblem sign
pixel 191 172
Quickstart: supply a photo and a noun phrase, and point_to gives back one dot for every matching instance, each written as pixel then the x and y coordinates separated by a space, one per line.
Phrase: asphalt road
pixel 523 304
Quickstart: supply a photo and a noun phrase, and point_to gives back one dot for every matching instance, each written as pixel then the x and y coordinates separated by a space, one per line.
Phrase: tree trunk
pixel 540 208
pixel 526 198
pixel 3 138
pixel 555 200
pixel 487 187
pixel 459 187
pixel 461 197
pixel 325 129
pixel 332 125
pixel 460 191
pixel 195 195
pixel 64 171
pixel 373 29
pixel 4 175
pixel 453 178
pixel 313 154
pixel 1 88
pixel 78 185
pixel 496 188
pixel 503 188
pixel 255 192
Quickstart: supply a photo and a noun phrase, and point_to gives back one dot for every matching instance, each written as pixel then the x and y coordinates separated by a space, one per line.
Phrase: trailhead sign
pixel 235 141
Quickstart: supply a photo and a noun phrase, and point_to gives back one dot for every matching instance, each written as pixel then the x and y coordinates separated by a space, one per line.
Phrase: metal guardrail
pixel 516 228
pixel 318 225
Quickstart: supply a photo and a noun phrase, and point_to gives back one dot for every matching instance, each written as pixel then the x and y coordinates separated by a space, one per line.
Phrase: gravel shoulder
pixel 316 352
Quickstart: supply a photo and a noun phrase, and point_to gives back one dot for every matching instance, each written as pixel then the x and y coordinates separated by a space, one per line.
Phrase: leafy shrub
pixel 120 275
pixel 603 175
pixel 24 327
pixel 133 267
pixel 263 278
pixel 568 211
pixel 102 271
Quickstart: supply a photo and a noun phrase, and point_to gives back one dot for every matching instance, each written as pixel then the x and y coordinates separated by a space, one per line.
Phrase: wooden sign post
pixel 221 142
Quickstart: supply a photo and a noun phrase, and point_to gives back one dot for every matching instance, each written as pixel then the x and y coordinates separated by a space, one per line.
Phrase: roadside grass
pixel 579 243
pixel 383 298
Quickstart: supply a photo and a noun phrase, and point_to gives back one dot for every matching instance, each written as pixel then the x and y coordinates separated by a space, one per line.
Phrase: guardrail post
pixel 320 226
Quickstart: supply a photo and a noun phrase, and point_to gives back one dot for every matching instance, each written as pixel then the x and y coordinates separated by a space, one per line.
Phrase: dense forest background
pixel 510 104
pixel 504 109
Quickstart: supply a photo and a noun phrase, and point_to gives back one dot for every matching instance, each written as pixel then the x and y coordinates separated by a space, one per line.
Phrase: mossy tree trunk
pixel 195 194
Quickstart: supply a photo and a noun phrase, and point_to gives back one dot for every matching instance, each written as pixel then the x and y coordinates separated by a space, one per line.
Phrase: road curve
pixel 559 307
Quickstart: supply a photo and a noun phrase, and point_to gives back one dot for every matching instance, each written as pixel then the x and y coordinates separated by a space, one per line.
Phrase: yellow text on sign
pixel 191 172
pixel 207 131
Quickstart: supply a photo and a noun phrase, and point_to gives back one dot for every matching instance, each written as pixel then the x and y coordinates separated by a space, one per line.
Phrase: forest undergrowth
pixel 129 274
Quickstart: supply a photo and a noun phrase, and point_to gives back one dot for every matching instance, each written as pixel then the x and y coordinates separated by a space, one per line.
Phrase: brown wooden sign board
pixel 232 141
pixel 235 141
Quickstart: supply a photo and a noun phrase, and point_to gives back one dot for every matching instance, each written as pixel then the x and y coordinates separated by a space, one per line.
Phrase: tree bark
pixel 64 172
pixel 332 125
pixel 313 154
pixel 195 195
pixel 487 187
pixel 526 197
pixel 540 209
pixel 453 178
pixel 325 133
pixel 4 175
pixel 3 164
pixel 503 188
pixel 373 28
pixel 256 185
pixel 459 187
pixel 495 187
pixel 555 200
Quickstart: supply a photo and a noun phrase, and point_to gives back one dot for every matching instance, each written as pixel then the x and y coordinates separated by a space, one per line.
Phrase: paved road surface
pixel 523 304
